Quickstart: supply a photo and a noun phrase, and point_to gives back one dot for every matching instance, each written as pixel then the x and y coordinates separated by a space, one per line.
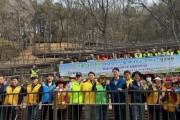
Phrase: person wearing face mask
pixel 153 100
pixel 148 77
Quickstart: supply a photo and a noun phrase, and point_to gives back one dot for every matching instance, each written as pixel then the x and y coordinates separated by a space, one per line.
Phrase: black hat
pixel 137 72
pixel 78 74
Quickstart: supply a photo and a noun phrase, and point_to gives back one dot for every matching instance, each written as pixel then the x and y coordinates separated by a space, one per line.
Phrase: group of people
pixel 135 54
pixel 161 95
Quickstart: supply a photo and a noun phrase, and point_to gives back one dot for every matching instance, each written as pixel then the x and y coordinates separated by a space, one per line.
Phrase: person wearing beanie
pixel 137 96
pixel 155 93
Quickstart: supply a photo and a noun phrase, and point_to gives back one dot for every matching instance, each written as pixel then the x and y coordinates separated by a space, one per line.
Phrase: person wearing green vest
pixel 154 52
pixel 178 52
pixel 169 51
pixel 138 54
pixel 161 52
pixel 101 97
pixel 76 99
pixel 146 53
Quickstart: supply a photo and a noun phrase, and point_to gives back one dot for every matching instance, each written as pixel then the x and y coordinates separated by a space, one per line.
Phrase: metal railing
pixel 91 105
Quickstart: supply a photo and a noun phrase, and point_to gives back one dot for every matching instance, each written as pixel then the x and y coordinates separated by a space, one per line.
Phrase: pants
pixel 119 112
pixel 32 110
pixel 46 108
pixel 171 115
pixel 101 112
pixel 166 115
pixel 178 113
pixel 138 110
pixel 61 114
pixel 1 111
pixel 74 112
pixel 90 112
pixel 153 109
pixel 7 111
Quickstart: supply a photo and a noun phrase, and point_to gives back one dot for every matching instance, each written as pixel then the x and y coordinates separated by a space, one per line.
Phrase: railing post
pixel 127 105
pixel 55 105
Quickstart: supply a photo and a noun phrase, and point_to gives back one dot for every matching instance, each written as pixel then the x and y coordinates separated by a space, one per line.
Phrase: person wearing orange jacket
pixel 62 98
pixel 153 98
pixel 170 100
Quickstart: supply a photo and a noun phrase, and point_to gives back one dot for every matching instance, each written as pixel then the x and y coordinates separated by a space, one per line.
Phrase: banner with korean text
pixel 161 64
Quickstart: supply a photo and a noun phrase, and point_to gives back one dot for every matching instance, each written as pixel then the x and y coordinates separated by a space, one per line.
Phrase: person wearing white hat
pixel 153 99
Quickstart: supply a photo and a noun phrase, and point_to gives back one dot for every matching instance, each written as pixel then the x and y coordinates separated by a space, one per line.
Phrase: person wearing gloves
pixel 62 98
pixel 156 92
pixel 101 97
pixel 136 91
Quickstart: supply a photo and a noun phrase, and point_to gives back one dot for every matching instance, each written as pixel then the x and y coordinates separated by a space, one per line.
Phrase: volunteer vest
pixel 161 53
pixel 101 97
pixel 154 54
pixel 153 97
pixel 76 97
pixel 88 97
pixel 13 96
pixel 32 98
pixel 178 52
pixel 62 96
pixel 146 54
pixel 138 55
pixel 169 53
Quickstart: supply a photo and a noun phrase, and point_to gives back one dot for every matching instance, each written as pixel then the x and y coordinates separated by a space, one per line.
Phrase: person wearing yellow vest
pixel 34 94
pixel 138 54
pixel 178 52
pixel 161 52
pixel 13 98
pixel 129 80
pixel 154 52
pixel 89 97
pixel 170 100
pixel 153 98
pixel 62 98
pixel 169 51
pixel 76 98
pixel 100 87
pixel 146 53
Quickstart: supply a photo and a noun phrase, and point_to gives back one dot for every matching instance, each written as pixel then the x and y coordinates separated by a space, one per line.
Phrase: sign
pixel 161 64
